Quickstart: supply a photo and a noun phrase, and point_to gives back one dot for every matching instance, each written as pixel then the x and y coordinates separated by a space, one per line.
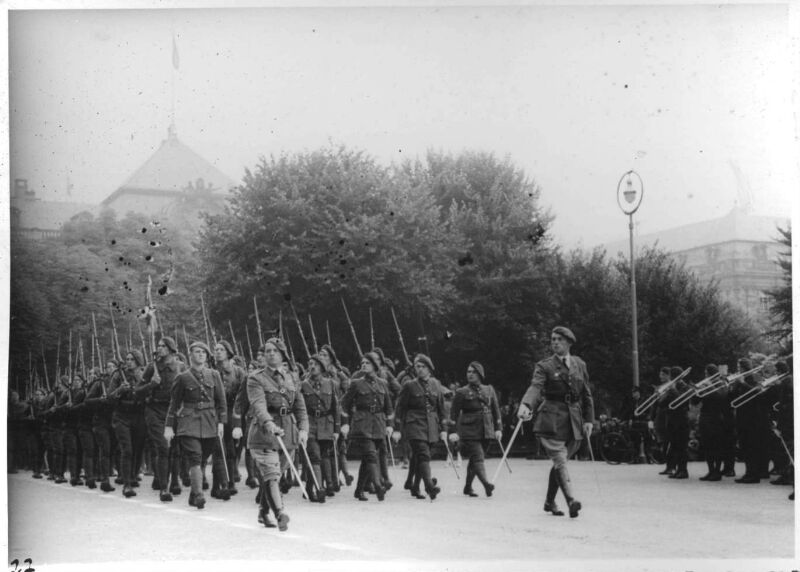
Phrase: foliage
pixel 781 309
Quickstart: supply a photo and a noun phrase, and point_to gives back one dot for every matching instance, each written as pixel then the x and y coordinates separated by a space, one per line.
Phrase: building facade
pixel 739 251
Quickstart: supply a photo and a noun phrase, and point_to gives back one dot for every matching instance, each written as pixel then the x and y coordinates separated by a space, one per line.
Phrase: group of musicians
pixel 749 412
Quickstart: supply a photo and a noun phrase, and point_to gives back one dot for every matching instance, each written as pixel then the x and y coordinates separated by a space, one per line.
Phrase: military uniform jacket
pixel 273 396
pixel 322 407
pixel 420 410
pixel 475 412
pixel 160 393
pixel 560 398
pixel 233 378
pixel 197 404
pixel 369 407
pixel 101 408
pixel 124 400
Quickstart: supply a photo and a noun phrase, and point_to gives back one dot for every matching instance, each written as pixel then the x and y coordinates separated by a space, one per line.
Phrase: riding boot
pixel 375 472
pixel 361 483
pixel 424 471
pixel 273 494
pixel 566 489
pixel 550 500
pixel 263 506
pixel 480 472
pixel 196 497
pixel 327 482
pixel 320 489
pixel 468 482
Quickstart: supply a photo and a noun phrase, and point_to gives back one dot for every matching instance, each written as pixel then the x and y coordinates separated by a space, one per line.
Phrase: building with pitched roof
pixel 173 180
pixel 739 251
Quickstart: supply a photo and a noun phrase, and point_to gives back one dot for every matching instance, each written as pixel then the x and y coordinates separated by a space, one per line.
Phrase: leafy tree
pixel 781 310
pixel 311 228
pixel 493 207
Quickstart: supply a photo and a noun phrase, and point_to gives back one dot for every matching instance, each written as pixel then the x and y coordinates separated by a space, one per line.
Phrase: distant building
pixel 739 251
pixel 174 181
pixel 32 217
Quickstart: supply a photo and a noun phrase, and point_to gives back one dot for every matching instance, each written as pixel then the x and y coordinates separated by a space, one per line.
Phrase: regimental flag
pixel 176 60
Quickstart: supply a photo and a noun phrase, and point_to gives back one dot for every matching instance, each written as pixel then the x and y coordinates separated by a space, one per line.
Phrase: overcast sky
pixel 574 95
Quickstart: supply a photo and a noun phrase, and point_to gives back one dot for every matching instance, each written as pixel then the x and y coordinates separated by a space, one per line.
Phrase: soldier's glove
pixel 396 436
pixel 169 433
pixel 587 429
pixel 236 433
pixel 345 429
pixel 498 435
pixel 389 431
pixel 273 429
pixel 453 437
pixel 524 412
pixel 651 425
pixel 220 430
pixel 443 436
pixel 335 438
pixel 303 437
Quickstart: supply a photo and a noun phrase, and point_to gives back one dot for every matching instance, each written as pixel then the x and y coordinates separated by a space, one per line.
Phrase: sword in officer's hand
pixel 508 448
pixel 291 466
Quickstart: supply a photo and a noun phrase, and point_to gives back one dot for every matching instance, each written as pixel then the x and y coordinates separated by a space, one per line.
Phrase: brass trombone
pixel 694 390
pixel 722 381
pixel 754 392
pixel 660 390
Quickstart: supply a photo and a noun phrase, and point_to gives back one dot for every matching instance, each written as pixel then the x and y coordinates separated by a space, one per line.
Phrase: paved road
pixel 630 512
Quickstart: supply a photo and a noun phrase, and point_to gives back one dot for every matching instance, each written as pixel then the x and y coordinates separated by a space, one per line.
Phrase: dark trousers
pixel 155 416
pixel 196 450
pixel 473 449
pixel 102 438
pixel 88 450
pixel 35 449
pixel 369 470
pixel 229 461
pixel 130 429
pixel 421 463
pixel 678 455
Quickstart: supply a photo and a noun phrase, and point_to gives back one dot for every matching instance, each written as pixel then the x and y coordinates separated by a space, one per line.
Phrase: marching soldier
pixel 196 414
pixel 324 422
pixel 278 415
pixel 128 418
pixel 336 372
pixel 368 408
pixel 36 423
pixel 476 416
pixel 155 388
pixel 233 378
pixel 102 412
pixel 419 415
pixel 55 416
pixel 658 422
pixel 562 401
pixel 84 414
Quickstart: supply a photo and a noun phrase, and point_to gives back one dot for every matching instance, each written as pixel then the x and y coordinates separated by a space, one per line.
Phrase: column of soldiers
pixel 185 411
pixel 746 415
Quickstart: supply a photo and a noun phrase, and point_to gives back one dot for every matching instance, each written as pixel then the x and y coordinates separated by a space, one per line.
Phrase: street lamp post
pixel 630 191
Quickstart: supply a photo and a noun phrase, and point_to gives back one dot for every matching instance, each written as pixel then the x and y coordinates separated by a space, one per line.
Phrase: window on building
pixel 760 251
pixel 765 302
